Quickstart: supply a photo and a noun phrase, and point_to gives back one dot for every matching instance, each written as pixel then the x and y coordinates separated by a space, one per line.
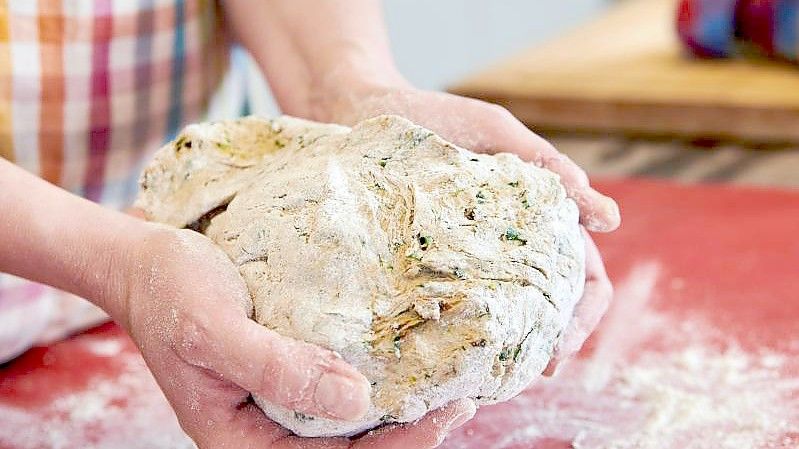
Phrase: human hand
pixel 469 123
pixel 597 293
pixel 188 311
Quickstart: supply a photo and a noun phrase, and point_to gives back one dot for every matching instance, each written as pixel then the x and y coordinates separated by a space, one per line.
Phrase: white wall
pixel 436 42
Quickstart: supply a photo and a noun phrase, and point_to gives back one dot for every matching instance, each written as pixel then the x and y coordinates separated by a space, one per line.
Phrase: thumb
pixel 290 373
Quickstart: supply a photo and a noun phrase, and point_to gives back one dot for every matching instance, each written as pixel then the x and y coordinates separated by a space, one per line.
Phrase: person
pixel 89 87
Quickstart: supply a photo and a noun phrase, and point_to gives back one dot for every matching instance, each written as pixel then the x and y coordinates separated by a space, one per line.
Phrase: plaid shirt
pixel 87 88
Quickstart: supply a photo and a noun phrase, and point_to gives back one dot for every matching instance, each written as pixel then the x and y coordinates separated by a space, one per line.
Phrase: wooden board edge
pixel 767 125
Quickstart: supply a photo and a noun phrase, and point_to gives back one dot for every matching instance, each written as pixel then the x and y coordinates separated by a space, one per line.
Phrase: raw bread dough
pixel 437 272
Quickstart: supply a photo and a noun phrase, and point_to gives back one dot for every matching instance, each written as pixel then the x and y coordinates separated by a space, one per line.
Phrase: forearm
pixel 310 48
pixel 50 236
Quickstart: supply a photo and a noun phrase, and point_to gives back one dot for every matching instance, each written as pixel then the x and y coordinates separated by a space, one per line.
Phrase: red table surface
pixel 705 304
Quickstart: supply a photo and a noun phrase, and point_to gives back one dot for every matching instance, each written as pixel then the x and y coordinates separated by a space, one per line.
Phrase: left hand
pixel 186 309
pixel 489 128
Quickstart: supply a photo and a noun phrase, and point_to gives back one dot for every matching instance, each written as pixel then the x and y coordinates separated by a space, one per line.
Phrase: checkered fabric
pixel 89 88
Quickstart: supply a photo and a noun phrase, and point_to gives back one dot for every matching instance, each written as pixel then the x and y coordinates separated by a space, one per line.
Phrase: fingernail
pixel 342 397
pixel 599 213
pixel 609 210
pixel 612 211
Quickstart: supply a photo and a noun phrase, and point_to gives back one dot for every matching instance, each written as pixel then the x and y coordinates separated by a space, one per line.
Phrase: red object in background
pixel 686 17
pixel 725 257
pixel 755 24
pixel 712 28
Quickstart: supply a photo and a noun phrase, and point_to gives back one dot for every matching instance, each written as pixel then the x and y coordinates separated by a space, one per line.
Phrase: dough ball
pixel 437 272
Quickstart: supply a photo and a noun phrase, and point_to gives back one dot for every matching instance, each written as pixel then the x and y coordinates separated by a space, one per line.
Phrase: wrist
pixel 338 94
pixel 56 238
pixel 113 274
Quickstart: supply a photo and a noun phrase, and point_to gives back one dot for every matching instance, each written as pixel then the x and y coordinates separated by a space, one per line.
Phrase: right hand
pixel 188 311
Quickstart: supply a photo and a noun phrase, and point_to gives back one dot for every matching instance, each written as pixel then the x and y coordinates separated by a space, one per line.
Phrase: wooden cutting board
pixel 626 72
pixel 699 349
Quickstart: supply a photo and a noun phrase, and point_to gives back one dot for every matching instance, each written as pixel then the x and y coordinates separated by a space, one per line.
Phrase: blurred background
pixel 436 43
pixel 434 52
pixel 688 90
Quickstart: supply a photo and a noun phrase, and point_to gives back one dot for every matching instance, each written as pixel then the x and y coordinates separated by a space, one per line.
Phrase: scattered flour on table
pixel 104 347
pixel 699 397
pixel 127 411
pixel 704 391
pixel 694 389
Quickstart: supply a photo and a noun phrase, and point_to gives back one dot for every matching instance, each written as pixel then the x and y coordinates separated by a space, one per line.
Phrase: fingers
pixel 427 433
pixel 284 371
pixel 295 442
pixel 592 306
pixel 598 212
pixel 214 412
pixel 242 426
